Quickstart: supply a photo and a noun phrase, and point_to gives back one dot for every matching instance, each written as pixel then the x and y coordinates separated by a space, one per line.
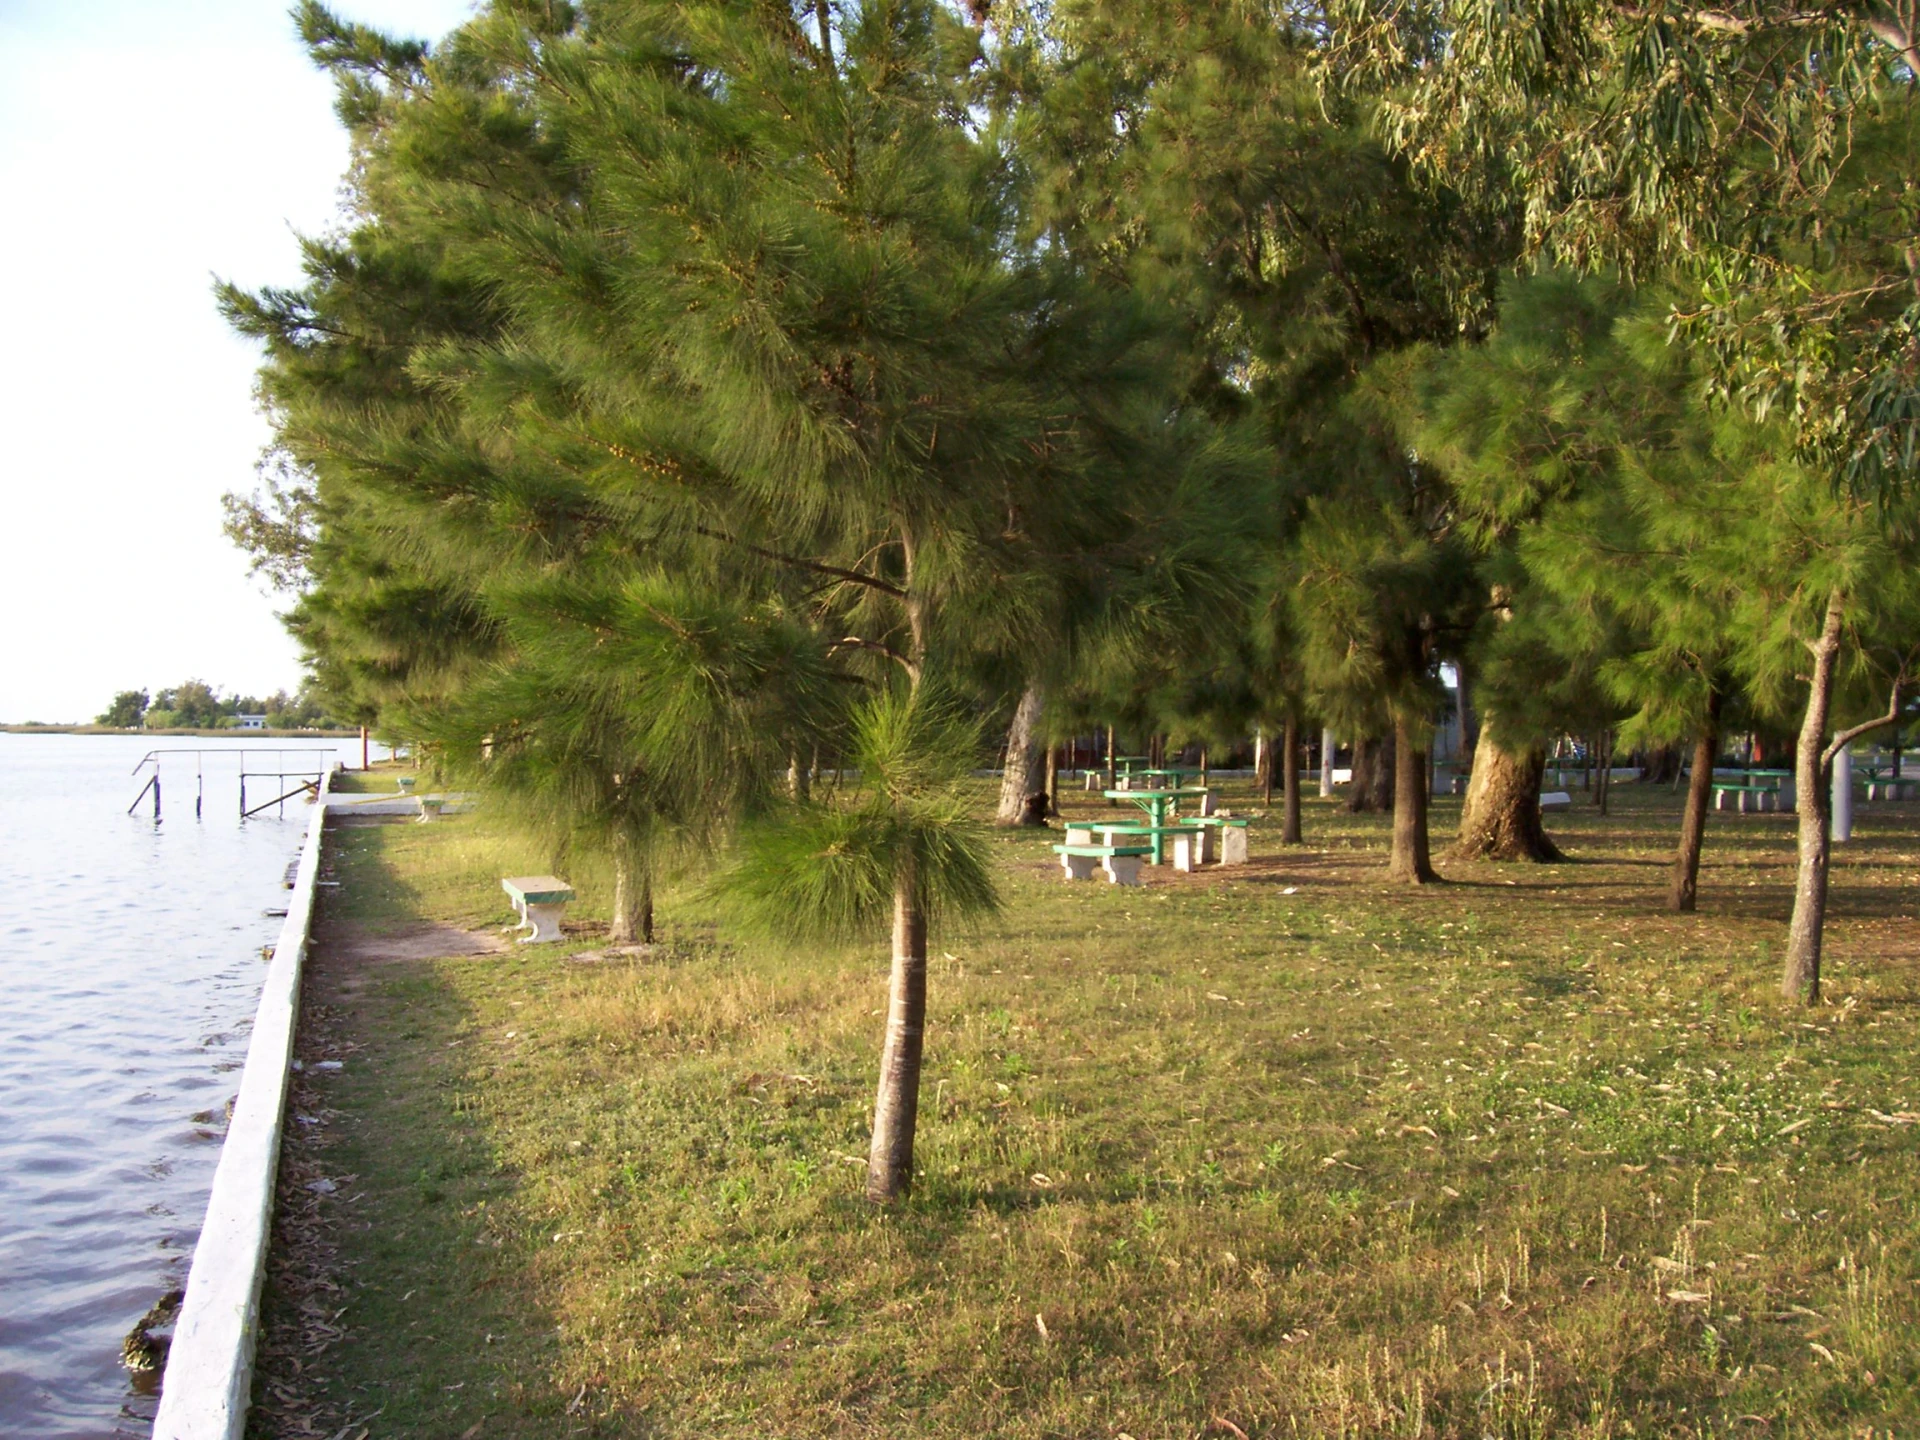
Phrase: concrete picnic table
pixel 1175 773
pixel 1159 804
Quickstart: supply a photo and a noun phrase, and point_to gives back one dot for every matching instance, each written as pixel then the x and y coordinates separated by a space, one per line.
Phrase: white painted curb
pixel 209 1376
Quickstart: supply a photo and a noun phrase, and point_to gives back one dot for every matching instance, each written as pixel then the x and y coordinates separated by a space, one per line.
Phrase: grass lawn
pixel 1269 1151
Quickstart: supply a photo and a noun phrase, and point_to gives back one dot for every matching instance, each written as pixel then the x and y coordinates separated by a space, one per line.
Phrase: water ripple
pixel 131 984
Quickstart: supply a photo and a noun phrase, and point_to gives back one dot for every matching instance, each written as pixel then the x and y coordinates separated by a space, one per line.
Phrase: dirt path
pixel 306 1289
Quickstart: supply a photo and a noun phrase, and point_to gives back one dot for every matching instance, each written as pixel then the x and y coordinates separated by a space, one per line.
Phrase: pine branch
pixel 658 467
pixel 872 582
pixel 1848 736
pixel 857 642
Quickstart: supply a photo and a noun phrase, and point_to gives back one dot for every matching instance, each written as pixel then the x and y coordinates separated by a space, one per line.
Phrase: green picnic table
pixel 1159 804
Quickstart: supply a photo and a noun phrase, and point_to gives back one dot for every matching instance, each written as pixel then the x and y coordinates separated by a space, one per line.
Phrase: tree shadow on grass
pixel 396 1284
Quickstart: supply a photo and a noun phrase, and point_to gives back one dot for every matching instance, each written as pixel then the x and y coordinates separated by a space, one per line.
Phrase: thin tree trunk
pixel 1500 819
pixel 1113 769
pixel 1800 977
pixel 632 901
pixel 1360 777
pixel 1263 767
pixel 1409 859
pixel 1053 781
pixel 1290 779
pixel 1606 769
pixel 896 1107
pixel 1026 771
pixel 799 777
pixel 1685 886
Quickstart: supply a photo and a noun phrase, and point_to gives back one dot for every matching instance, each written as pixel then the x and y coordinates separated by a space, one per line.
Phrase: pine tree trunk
pixel 799 777
pixel 1501 817
pixel 1469 722
pixel 1290 779
pixel 1800 978
pixel 1409 859
pixel 1383 782
pixel 1327 755
pixel 1684 889
pixel 1662 765
pixel 632 901
pixel 1026 773
pixel 896 1108
pixel 1360 778
pixel 1053 781
pixel 1263 768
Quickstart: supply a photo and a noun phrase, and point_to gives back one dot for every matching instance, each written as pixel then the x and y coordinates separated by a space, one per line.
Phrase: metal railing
pixel 308 776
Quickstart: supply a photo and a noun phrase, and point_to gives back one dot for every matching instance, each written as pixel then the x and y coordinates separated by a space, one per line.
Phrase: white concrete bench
pixel 1120 862
pixel 1757 798
pixel 539 901
pixel 1221 838
pixel 1556 800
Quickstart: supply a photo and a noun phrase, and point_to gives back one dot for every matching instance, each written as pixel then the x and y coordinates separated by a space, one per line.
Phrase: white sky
pixel 146 146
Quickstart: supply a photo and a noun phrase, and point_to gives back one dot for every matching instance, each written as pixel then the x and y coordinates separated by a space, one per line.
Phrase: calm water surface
pixel 130 965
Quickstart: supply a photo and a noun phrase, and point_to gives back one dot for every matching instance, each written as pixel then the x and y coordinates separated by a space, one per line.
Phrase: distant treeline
pixel 196 705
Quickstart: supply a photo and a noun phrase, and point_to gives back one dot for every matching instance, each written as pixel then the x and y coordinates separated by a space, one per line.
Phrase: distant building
pixel 250 722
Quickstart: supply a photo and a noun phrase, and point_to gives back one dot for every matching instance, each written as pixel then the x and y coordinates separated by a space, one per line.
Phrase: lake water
pixel 130 966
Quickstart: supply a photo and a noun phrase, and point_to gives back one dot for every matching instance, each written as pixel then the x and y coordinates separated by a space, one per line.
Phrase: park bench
pixel 1763 797
pixel 539 901
pixel 1120 862
pixel 1556 800
pixel 1888 788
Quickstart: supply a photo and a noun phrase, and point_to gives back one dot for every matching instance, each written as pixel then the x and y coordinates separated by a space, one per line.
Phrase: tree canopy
pixel 699 394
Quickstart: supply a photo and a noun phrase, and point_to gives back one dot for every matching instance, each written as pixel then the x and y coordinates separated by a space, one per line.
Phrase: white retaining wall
pixel 209 1376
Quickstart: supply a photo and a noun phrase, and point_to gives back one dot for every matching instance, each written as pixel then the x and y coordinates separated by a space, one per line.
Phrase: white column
pixel 1326 763
pixel 1841 822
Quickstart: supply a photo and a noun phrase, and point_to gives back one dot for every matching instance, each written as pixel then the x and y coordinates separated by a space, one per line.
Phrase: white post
pixel 1841 828
pixel 1259 752
pixel 1326 763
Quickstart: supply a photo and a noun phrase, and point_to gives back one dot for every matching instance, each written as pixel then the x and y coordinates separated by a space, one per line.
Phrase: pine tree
pixel 780 332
